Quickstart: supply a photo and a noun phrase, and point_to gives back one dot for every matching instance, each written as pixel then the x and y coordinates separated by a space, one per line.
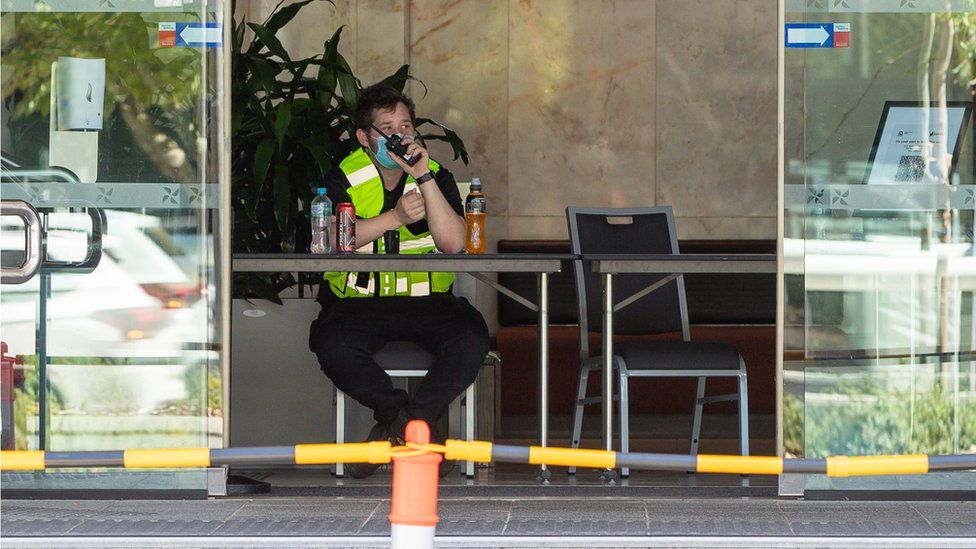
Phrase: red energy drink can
pixel 346 227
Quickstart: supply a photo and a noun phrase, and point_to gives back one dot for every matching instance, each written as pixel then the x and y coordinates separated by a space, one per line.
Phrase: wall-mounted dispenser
pixel 80 93
pixel 77 105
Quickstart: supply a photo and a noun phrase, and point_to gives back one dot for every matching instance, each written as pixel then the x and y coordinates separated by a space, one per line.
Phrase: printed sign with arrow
pixel 199 34
pixel 818 35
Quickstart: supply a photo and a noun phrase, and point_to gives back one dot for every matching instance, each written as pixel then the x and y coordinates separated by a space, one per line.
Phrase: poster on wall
pixel 918 143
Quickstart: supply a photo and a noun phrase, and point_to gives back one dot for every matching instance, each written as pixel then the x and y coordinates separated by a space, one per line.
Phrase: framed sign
pixel 917 142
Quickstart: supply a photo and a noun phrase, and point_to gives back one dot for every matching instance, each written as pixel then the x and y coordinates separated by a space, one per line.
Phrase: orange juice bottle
pixel 475 239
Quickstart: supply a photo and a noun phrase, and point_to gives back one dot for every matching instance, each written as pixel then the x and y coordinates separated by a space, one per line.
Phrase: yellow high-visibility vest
pixel 366 192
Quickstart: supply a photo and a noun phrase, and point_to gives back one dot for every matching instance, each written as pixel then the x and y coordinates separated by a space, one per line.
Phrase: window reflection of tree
pixel 152 94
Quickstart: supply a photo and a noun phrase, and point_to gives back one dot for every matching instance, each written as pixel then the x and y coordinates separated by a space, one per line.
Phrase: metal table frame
pixel 667 264
pixel 475 265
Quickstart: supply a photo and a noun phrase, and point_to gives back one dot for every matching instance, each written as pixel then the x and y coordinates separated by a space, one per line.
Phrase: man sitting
pixel 361 312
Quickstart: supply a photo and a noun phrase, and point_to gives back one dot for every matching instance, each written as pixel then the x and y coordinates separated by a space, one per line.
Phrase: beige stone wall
pixel 584 102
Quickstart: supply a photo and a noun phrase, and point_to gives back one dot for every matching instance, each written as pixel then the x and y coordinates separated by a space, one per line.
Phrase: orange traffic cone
pixel 413 513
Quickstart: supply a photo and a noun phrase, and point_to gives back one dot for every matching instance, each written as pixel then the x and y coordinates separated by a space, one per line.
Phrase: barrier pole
pixel 413 510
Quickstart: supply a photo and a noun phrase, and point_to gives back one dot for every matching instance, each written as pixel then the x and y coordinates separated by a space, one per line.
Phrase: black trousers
pixel 348 331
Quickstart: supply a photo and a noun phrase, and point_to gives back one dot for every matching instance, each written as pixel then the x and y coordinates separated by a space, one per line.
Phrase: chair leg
pixel 696 422
pixel 339 408
pixel 462 426
pixel 624 420
pixel 455 418
pixel 578 413
pixel 469 424
pixel 743 412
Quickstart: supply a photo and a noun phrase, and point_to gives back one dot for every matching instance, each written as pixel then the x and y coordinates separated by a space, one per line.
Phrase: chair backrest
pixel 632 231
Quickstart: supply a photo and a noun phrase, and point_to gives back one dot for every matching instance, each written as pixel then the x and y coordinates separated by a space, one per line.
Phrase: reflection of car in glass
pixel 135 303
pixel 143 249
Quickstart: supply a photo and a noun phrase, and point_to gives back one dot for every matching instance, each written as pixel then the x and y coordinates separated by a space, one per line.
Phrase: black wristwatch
pixel 425 178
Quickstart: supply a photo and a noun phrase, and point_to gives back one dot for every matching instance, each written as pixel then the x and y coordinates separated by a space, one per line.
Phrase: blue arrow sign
pixel 198 35
pixel 809 35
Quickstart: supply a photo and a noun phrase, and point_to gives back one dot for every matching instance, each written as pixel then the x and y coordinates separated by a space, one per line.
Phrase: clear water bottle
pixel 322 225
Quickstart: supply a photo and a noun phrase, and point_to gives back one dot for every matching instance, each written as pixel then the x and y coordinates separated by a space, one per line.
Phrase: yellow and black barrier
pixel 382 452
pixel 167 458
pixel 839 466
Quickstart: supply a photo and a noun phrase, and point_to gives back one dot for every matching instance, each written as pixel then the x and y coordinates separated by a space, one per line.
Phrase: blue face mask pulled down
pixel 383 155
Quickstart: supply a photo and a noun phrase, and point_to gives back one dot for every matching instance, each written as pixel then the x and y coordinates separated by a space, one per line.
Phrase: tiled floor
pixel 556 517
pixel 506 507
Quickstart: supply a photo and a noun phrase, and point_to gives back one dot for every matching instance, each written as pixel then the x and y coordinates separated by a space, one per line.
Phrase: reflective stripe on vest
pixel 367 193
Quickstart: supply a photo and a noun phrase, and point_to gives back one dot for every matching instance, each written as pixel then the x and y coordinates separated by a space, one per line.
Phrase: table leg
pixel 543 321
pixel 609 474
pixel 340 425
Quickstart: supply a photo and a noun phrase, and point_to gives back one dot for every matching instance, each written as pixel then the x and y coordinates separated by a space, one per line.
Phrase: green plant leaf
pixel 281 17
pixel 262 161
pixel 269 40
pixel 238 35
pixel 283 205
pixel 260 116
pixel 348 83
pixel 266 73
pixel 398 79
pixel 282 120
pixel 300 105
pixel 331 46
pixel 327 77
pixel 449 136
pixel 320 153
pixel 237 118
pixel 297 69
pixel 327 82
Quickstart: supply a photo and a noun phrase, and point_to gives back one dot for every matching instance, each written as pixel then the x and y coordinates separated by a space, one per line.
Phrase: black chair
pixel 635 231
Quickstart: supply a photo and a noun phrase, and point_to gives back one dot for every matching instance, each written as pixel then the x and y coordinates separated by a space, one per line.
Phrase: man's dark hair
pixel 378 97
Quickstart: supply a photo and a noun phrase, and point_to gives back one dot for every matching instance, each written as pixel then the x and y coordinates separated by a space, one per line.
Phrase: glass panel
pixel 111 130
pixel 880 273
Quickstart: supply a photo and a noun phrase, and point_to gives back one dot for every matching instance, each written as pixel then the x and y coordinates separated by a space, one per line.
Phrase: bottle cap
pixel 475 184
pixel 320 190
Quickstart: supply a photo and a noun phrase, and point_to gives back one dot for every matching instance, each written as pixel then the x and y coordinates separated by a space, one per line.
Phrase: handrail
pixel 93 255
pixel 57 173
pixel 32 259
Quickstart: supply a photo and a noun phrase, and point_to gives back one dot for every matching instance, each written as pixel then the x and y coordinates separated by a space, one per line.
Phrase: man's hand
pixel 413 149
pixel 410 208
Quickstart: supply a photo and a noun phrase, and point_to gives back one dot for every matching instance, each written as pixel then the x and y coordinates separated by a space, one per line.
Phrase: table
pixel 475 265
pixel 672 265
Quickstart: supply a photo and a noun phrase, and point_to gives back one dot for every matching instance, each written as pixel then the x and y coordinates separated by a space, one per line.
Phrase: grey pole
pixel 609 475
pixel 544 472
pixel 608 361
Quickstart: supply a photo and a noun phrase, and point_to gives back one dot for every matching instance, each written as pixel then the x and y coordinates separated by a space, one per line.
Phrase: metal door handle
pixel 92 256
pixel 32 260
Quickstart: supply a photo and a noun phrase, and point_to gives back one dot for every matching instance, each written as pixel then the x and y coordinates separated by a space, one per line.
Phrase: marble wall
pixel 584 102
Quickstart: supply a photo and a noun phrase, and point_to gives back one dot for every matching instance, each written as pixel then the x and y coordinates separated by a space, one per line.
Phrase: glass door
pixel 880 273
pixel 111 137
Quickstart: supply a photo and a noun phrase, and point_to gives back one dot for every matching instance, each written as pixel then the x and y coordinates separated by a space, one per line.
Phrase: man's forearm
pixel 368 230
pixel 446 226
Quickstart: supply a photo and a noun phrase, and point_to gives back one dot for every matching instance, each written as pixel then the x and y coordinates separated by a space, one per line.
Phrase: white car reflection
pixel 138 302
